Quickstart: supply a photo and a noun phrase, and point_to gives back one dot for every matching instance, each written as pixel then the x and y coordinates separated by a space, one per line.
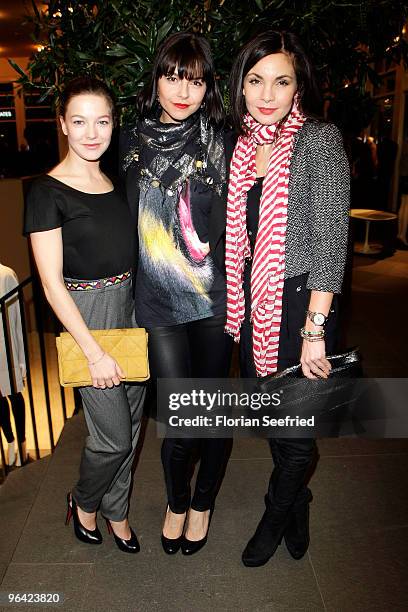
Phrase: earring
pixel 297 98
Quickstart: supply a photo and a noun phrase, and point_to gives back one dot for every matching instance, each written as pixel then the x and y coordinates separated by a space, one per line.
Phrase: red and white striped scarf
pixel 268 266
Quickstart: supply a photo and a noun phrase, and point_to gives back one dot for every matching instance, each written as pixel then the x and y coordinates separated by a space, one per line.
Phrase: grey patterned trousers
pixel 113 416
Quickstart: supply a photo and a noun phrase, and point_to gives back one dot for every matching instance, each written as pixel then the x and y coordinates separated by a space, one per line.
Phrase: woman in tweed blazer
pixel 286 245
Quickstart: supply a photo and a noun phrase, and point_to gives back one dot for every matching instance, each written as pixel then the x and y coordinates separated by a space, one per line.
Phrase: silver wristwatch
pixel 318 318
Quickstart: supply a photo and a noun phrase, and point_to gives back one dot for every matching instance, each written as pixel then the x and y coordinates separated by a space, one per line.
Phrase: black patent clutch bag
pixel 346 364
pixel 329 400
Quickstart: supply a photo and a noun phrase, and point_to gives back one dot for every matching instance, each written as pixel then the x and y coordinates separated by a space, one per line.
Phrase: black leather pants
pixel 198 349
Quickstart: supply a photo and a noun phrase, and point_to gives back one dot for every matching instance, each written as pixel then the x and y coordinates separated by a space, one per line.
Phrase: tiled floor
pixel 358 558
pixel 377 317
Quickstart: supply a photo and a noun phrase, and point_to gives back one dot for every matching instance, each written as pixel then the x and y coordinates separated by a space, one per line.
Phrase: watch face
pixel 319 319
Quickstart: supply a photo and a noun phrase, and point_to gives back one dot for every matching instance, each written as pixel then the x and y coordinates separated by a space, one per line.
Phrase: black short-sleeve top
pixel 97 229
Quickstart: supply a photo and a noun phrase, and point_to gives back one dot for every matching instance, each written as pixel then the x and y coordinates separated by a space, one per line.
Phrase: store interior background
pixel 357 560
pixel 31 143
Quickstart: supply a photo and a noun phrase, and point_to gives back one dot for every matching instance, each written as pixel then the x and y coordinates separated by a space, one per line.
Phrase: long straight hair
pixel 190 55
pixel 268 43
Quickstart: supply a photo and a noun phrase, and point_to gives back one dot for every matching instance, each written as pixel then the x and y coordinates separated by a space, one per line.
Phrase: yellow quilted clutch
pixel 127 346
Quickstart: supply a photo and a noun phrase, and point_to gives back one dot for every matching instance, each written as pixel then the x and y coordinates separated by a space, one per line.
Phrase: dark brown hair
pixel 85 85
pixel 190 54
pixel 268 43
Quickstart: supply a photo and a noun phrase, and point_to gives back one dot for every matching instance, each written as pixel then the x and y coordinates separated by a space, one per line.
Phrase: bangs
pixel 188 62
pixel 187 55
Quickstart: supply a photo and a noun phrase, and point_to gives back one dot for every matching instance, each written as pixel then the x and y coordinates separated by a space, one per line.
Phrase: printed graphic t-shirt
pixel 177 281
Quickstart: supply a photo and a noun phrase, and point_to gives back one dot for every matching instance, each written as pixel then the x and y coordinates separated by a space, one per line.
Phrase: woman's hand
pixel 313 356
pixel 313 359
pixel 105 372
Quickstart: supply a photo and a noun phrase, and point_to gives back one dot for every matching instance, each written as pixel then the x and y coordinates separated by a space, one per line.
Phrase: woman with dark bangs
pixel 174 159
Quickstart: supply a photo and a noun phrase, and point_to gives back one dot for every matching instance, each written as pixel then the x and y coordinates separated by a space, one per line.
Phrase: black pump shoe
pixel 266 539
pixel 297 531
pixel 172 545
pixel 89 536
pixel 129 546
pixel 190 547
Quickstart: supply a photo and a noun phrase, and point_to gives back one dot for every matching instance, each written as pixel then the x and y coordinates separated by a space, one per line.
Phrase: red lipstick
pixel 181 106
pixel 267 111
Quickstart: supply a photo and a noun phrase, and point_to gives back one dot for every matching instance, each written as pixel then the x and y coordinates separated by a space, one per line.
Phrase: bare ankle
pixel 173 523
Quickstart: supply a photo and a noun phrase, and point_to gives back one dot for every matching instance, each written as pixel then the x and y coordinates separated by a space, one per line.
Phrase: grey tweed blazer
pixel 318 206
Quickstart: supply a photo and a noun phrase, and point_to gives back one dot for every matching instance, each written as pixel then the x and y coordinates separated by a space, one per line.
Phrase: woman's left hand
pixel 313 359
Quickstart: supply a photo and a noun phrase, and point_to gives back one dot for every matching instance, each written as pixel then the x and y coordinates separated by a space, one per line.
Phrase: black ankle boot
pixel 267 537
pixel 292 463
pixel 297 531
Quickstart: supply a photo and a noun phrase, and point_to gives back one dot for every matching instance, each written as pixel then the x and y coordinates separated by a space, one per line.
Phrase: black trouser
pixel 18 407
pixel 199 349
pixel 292 456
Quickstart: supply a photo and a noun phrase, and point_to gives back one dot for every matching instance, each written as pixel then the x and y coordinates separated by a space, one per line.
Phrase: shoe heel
pixel 109 527
pixel 69 511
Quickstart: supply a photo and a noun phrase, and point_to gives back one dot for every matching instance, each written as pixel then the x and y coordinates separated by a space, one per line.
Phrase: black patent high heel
pixel 172 545
pixel 129 546
pixel 190 547
pixel 89 536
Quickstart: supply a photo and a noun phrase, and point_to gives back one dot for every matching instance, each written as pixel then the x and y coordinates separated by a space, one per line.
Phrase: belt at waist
pixel 100 283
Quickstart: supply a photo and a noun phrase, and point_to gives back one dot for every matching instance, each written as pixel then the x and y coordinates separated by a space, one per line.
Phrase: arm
pixel 330 201
pixel 48 254
pixel 313 356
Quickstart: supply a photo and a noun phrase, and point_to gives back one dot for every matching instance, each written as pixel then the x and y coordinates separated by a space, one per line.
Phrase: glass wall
pixel 40 133
pixel 8 130
pixel 39 150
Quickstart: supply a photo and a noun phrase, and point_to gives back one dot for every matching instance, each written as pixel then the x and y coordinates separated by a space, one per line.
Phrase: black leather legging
pixel 198 349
